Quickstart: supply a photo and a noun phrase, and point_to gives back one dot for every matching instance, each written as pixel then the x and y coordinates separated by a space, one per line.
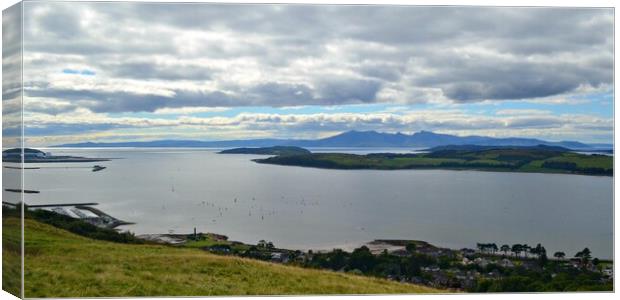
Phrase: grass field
pixel 11 257
pixel 62 264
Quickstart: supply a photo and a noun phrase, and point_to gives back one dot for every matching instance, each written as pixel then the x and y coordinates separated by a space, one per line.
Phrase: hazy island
pixel 536 159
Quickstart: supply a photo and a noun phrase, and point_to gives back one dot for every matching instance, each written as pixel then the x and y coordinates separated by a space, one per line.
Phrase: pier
pixel 76 210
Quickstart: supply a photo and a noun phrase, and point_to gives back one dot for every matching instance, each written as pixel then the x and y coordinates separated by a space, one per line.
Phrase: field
pixel 62 264
pixel 534 159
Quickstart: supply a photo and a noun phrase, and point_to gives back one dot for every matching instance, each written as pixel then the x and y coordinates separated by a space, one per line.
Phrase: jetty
pixel 83 211
pixel 22 191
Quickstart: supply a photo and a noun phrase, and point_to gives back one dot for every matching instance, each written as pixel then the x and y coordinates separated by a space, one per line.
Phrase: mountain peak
pixel 358 132
pixel 356 138
pixel 425 132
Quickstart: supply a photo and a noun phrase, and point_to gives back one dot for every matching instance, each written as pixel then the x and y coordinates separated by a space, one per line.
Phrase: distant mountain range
pixel 422 139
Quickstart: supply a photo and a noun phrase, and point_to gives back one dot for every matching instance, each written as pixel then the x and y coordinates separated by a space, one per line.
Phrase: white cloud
pixel 168 59
pixel 189 110
pixel 316 55
pixel 512 112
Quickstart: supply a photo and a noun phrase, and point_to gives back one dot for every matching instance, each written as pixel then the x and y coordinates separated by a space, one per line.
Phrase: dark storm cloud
pixel 269 94
pixel 481 77
pixel 282 94
pixel 323 55
pixel 338 90
pixel 388 72
pixel 104 101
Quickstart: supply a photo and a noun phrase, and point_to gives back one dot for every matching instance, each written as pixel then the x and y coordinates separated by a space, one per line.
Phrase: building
pixel 506 263
pixel 279 257
pixel 482 262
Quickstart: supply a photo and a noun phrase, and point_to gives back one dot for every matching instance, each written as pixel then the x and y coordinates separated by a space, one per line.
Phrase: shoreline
pixel 429 168
pixel 376 246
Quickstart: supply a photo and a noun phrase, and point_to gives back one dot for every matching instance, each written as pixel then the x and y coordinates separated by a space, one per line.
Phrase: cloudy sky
pixel 139 71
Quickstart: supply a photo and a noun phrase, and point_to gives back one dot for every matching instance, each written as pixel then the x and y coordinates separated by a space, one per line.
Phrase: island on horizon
pixel 534 159
pixel 354 138
pixel 37 156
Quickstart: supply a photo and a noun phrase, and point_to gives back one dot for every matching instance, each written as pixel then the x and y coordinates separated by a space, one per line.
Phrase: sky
pixel 105 72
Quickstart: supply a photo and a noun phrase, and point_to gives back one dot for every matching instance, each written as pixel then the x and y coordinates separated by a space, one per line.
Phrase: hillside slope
pixel 61 264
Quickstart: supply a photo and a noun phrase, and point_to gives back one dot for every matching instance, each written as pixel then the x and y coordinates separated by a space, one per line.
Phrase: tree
pixel 585 256
pixel 559 255
pixel 505 249
pixel 542 256
pixel 493 248
pixel 362 259
pixel 525 248
pixel 270 245
pixel 411 247
pixel 538 250
pixel 586 253
pixel 516 249
pixel 262 244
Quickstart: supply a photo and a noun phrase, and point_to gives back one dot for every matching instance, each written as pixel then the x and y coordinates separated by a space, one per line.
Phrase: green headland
pixel 275 150
pixel 538 159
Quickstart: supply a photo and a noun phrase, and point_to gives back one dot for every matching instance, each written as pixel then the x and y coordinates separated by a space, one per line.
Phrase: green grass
pixel 62 264
pixel 586 161
pixel 209 242
pixel 11 257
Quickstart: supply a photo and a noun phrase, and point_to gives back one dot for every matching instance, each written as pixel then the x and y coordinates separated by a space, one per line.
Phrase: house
pixel 466 261
pixel 575 262
pixel 482 262
pixel 495 274
pixel 440 279
pixel 279 257
pixel 591 267
pixel 431 269
pixel 506 263
pixel 466 279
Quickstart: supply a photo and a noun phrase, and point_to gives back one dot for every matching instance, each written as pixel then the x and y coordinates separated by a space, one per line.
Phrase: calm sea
pixel 175 190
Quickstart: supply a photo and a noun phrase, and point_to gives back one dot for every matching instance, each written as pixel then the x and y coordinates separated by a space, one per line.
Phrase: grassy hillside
pixel 62 264
pixel 536 159
pixel 11 256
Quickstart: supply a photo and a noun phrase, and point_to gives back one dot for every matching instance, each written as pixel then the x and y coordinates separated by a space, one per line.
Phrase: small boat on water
pixel 97 168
